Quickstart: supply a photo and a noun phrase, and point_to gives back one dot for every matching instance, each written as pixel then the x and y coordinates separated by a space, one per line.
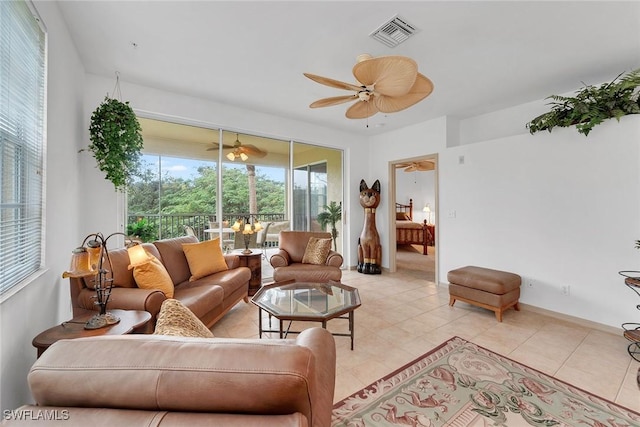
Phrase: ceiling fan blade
pixel 333 83
pixel 252 150
pixel 361 110
pixel 335 100
pixel 409 168
pixel 425 166
pixel 390 75
pixel 215 147
pixel 422 88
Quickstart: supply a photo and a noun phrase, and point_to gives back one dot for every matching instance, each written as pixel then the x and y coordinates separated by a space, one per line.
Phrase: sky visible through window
pixel 187 169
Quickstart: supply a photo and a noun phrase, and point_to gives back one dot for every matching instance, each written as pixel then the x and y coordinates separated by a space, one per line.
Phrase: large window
pixel 201 181
pixel 179 186
pixel 22 89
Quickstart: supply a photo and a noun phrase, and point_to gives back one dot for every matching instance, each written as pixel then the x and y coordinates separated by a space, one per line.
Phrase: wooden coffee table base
pixel 74 328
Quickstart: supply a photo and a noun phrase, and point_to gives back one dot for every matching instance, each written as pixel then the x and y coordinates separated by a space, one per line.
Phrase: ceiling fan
pixel 423 165
pixel 385 84
pixel 240 150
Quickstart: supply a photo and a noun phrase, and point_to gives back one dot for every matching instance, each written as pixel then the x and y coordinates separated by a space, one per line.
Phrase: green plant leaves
pixel 592 105
pixel 116 141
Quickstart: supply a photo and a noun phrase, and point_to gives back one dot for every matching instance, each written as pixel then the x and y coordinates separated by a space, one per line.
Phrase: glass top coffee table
pixel 305 301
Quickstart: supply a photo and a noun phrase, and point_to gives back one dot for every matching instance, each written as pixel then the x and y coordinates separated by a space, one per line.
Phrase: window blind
pixel 22 89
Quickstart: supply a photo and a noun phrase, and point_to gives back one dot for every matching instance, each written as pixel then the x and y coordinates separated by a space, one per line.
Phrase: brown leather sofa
pixel 153 380
pixel 287 262
pixel 209 298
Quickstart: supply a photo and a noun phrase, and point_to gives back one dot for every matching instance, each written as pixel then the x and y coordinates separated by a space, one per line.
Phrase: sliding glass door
pixel 317 181
pixel 203 181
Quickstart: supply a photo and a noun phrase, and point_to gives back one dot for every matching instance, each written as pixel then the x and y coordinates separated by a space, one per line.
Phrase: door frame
pixel 393 166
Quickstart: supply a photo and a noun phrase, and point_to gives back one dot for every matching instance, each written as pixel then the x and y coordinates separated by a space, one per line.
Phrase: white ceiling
pixel 481 56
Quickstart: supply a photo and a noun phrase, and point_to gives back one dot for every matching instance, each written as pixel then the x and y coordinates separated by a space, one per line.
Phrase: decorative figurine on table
pixel 369 249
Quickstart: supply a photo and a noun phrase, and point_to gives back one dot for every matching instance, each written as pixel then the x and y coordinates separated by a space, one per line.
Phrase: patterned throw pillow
pixel 204 258
pixel 177 320
pixel 317 251
pixel 153 275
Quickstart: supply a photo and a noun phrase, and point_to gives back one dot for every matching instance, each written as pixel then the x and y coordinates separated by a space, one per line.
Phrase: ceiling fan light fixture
pixel 244 157
pixel 231 156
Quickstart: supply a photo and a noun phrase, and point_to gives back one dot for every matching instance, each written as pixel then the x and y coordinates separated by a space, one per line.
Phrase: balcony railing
pixel 149 227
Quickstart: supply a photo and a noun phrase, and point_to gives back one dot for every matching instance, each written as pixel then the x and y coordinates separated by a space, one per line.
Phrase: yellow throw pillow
pixel 177 320
pixel 317 251
pixel 153 275
pixel 204 258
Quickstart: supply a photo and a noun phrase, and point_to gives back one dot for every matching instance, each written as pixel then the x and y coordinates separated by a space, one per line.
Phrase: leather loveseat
pixel 154 380
pixel 287 262
pixel 209 297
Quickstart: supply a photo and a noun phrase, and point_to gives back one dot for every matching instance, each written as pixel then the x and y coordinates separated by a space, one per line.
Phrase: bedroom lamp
pixel 427 211
pixel 91 258
pixel 248 228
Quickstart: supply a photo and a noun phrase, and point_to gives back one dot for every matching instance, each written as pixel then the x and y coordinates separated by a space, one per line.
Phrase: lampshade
pixel 94 248
pixel 137 256
pixel 237 153
pixel 257 226
pixel 247 229
pixel 426 209
pixel 80 264
pixel 236 226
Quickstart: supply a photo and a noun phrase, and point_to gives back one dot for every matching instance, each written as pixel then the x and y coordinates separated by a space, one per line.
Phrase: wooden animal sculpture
pixel 369 249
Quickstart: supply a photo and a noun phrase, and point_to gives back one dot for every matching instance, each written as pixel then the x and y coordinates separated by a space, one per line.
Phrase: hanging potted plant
pixel 332 215
pixel 591 105
pixel 116 141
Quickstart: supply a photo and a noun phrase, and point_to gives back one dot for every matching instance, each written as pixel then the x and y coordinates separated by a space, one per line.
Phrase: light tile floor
pixel 402 317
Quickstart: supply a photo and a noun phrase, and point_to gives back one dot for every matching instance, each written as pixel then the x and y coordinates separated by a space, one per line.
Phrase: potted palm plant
pixel 332 215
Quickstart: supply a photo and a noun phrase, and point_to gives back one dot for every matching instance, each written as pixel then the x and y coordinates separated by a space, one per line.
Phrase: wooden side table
pixel 74 328
pixel 254 262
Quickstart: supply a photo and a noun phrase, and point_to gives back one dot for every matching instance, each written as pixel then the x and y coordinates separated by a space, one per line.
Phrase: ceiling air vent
pixel 394 32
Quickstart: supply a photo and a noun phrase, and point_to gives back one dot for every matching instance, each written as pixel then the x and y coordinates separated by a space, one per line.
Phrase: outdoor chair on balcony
pixel 189 231
pixel 273 236
pixel 261 238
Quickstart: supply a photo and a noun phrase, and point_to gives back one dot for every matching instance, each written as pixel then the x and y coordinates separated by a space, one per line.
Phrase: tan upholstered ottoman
pixel 492 289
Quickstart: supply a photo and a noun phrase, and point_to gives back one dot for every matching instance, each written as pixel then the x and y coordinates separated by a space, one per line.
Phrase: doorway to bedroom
pixel 414 196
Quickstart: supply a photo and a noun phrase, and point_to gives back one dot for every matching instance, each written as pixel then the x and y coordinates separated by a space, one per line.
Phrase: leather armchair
pixel 287 262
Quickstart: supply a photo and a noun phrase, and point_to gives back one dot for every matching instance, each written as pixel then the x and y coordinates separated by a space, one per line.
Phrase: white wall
pixel 560 209
pixel 419 186
pixel 419 140
pixel 45 301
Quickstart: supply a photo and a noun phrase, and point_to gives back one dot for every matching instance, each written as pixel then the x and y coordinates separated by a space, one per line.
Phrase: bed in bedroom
pixel 409 232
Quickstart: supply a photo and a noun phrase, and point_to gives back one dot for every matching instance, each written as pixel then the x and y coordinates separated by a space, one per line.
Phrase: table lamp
pixel 427 210
pixel 91 258
pixel 248 228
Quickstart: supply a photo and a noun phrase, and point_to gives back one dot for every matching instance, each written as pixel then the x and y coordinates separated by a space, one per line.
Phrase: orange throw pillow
pixel 204 258
pixel 153 275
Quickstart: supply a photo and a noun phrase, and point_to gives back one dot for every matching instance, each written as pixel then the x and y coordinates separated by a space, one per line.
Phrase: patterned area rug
pixel 461 384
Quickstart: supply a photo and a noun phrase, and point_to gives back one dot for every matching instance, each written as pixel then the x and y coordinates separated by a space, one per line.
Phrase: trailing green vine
pixel 116 141
pixel 591 105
